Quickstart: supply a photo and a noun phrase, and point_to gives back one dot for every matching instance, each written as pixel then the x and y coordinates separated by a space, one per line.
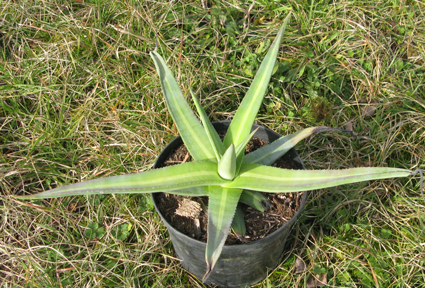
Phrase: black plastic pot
pixel 239 265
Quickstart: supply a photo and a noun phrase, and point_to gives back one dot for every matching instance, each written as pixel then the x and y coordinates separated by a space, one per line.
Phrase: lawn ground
pixel 80 99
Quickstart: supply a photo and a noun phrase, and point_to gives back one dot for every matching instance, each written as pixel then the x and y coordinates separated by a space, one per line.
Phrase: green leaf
pixel 255 199
pixel 94 231
pixel 268 154
pixel 145 204
pixel 176 177
pixel 271 179
pixel 197 191
pixel 240 150
pixel 221 209
pixel 212 134
pixel 241 124
pixel 318 269
pixel 238 224
pixel 227 164
pixel 121 232
pixel 190 129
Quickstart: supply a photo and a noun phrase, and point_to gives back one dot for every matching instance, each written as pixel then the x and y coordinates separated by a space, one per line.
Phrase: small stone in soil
pixel 191 209
pixel 188 208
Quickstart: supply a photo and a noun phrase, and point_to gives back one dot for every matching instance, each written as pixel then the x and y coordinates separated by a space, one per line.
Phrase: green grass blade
pixel 212 134
pixel 272 179
pixel 247 111
pixel 268 154
pixel 190 129
pixel 170 178
pixel 222 205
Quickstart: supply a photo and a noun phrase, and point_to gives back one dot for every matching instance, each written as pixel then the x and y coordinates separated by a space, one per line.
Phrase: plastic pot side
pixel 239 265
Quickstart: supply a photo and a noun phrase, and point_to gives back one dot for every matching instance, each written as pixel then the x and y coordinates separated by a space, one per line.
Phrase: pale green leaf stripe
pixel 244 118
pixel 177 177
pixel 213 136
pixel 272 179
pixel 190 129
pixel 268 154
pixel 222 205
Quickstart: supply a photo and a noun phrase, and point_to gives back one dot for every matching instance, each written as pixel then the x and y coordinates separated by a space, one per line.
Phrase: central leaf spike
pixel 227 164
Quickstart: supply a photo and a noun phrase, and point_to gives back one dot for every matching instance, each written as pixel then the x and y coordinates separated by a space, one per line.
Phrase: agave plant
pixel 220 169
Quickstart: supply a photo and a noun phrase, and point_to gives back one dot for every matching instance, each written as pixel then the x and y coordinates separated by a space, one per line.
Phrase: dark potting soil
pixel 189 214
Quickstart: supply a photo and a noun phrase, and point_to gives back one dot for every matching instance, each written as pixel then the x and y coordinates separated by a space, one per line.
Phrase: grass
pixel 80 100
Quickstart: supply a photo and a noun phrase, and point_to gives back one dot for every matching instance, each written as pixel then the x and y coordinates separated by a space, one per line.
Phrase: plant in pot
pixel 222 172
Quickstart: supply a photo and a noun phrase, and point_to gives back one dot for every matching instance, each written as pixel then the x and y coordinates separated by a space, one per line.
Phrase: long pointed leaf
pixel 240 150
pixel 255 199
pixel 170 178
pixel 190 129
pixel 238 223
pixel 247 111
pixel 221 209
pixel 212 134
pixel 272 179
pixel 268 154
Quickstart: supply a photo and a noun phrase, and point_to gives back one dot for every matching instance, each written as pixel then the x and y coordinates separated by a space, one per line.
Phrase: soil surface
pixel 189 214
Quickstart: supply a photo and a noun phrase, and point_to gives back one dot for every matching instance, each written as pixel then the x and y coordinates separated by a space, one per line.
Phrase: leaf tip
pixel 227 164
pixel 266 205
pixel 208 273
pixel 22 197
